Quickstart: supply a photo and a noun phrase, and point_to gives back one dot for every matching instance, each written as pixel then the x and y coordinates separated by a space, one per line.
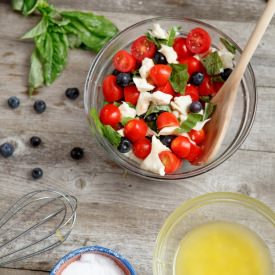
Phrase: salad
pixel 158 96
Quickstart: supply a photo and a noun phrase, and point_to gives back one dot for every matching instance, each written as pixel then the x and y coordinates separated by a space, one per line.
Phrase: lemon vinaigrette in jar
pixel 222 248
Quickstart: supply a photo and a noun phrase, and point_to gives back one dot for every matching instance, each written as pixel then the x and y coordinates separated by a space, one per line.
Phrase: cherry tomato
pixel 217 86
pixel 110 115
pixel 195 151
pixel 131 94
pixel 198 41
pixel 180 48
pixel 206 88
pixel 142 148
pixel 135 129
pixel 197 136
pixel 181 146
pixel 193 64
pixel 167 89
pixel 170 161
pixel 166 119
pixel 193 91
pixel 111 91
pixel 160 74
pixel 124 62
pixel 142 47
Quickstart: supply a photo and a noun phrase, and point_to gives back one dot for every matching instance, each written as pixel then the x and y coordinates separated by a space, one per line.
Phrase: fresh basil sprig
pixel 179 77
pixel 209 110
pixel 212 63
pixel 153 109
pixel 190 123
pixel 230 47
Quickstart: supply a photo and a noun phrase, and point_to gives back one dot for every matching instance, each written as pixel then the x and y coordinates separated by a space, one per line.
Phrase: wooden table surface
pixel 119 211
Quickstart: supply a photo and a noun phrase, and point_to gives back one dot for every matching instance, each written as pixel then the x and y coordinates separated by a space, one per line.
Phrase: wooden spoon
pixel 216 128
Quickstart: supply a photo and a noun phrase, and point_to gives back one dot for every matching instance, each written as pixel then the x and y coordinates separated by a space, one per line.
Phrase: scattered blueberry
pixel 226 73
pixel 115 72
pixel 35 141
pixel 72 93
pixel 123 79
pixel 6 150
pixel 13 102
pixel 151 117
pixel 197 78
pixel 125 145
pixel 37 173
pixel 159 58
pixel 166 140
pixel 195 107
pixel 77 153
pixel 39 106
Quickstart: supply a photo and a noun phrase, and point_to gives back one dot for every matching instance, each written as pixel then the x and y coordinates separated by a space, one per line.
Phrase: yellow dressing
pixel 222 248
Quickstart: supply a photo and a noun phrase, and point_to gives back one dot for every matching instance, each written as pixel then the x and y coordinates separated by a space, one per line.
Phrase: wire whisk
pixel 38 222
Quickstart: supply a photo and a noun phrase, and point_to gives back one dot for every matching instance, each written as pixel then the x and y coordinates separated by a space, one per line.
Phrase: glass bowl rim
pixel 229 151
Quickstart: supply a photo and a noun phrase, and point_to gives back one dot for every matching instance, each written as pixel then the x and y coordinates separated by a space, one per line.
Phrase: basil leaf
pixel 17 5
pixel 230 47
pixel 39 29
pixel 29 6
pixel 97 122
pixel 209 110
pixel 36 78
pixel 58 19
pixel 212 63
pixel 217 78
pixel 179 77
pixel 125 120
pixel 171 36
pixel 156 109
pixel 189 123
pixel 74 41
pixel 155 40
pixel 205 98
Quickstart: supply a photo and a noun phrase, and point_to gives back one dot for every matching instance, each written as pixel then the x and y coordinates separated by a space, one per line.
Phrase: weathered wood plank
pixel 6 271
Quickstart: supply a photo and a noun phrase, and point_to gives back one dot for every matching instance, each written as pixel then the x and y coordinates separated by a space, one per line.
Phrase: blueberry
pixel 77 153
pixel 151 117
pixel 13 102
pixel 115 72
pixel 167 140
pixel 72 93
pixel 123 79
pixel 226 73
pixel 35 141
pixel 159 58
pixel 37 173
pixel 197 78
pixel 125 145
pixel 6 150
pixel 195 107
pixel 39 106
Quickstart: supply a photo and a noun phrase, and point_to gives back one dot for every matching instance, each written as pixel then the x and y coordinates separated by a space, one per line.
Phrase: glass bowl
pixel 243 114
pixel 225 207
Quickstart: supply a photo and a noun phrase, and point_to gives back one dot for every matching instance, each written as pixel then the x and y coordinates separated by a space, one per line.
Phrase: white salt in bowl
pixel 75 255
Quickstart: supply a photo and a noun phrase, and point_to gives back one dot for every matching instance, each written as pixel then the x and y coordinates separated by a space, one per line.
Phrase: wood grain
pixel 5 271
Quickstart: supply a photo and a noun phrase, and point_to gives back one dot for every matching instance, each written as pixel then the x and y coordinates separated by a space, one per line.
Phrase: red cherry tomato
pixel 160 74
pixel 181 146
pixel 197 136
pixel 193 64
pixel 217 86
pixel 110 115
pixel 135 129
pixel 193 91
pixel 170 161
pixel 195 151
pixel 111 91
pixel 167 89
pixel 206 88
pixel 124 62
pixel 166 119
pixel 142 47
pixel 198 41
pixel 131 94
pixel 180 48
pixel 142 148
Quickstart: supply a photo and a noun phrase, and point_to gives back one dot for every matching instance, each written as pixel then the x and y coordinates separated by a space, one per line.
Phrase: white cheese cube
pixel 126 110
pixel 132 156
pixel 146 66
pixel 143 103
pixel 227 58
pixel 161 98
pixel 182 104
pixel 159 32
pixel 121 132
pixel 166 131
pixel 169 53
pixel 142 84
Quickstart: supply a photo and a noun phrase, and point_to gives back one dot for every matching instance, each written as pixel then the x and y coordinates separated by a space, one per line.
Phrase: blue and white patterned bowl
pixel 75 255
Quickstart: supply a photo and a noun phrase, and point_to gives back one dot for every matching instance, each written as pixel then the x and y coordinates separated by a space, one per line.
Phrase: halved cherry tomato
pixel 167 89
pixel 180 48
pixel 111 91
pixel 193 64
pixel 193 91
pixel 170 161
pixel 217 86
pixel 160 74
pixel 135 129
pixel 195 151
pixel 142 148
pixel 124 62
pixel 142 47
pixel 110 115
pixel 181 146
pixel 197 136
pixel 131 94
pixel 198 41
pixel 206 88
pixel 166 119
